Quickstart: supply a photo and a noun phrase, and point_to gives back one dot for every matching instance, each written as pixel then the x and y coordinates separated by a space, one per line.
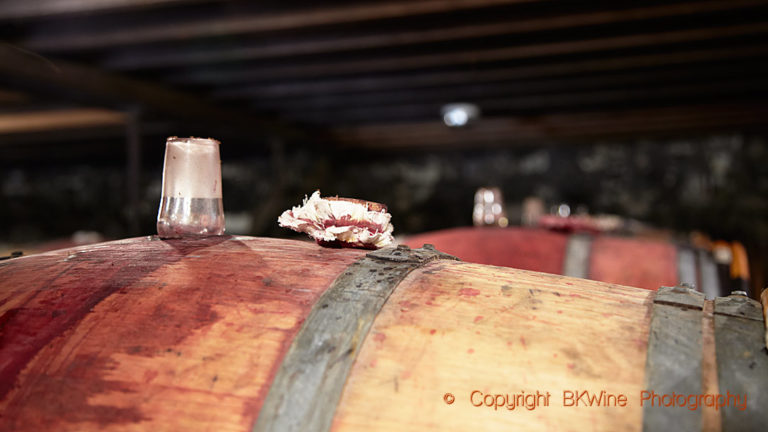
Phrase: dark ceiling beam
pixel 80 144
pixel 74 118
pixel 237 25
pixel 755 88
pixel 508 131
pixel 16 9
pixel 448 78
pixel 395 63
pixel 12 97
pixel 179 55
pixel 95 86
pixel 469 90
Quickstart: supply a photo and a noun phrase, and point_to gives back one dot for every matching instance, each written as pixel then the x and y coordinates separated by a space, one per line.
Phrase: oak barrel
pixel 639 262
pixel 241 333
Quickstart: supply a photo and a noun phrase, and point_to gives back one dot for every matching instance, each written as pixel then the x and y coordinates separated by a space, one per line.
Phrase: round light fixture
pixel 459 114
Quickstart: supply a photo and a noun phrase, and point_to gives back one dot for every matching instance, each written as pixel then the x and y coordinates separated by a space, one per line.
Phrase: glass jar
pixel 191 203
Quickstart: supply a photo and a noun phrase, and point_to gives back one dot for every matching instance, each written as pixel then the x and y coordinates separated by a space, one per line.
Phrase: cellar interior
pixel 394 215
pixel 650 113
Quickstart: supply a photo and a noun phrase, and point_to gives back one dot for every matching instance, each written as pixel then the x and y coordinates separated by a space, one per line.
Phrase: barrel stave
pixel 157 335
pixel 458 327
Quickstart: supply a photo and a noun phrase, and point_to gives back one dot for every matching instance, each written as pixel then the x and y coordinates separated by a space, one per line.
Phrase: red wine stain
pixel 469 292
pixel 49 411
pixel 76 285
pixel 69 285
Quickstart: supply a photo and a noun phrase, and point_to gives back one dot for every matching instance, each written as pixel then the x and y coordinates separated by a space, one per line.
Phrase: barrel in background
pixel 639 262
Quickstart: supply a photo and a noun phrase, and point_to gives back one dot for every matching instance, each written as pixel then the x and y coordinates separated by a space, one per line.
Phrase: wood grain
pixel 147 334
pixel 463 327
pixel 306 389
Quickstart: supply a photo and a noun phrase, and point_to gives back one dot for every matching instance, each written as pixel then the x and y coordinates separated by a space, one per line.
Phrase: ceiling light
pixel 459 114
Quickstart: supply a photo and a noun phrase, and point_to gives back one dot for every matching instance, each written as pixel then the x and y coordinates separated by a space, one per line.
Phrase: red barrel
pixel 639 262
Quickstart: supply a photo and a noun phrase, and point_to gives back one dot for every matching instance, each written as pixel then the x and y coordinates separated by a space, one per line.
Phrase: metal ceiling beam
pixel 235 25
pixel 413 62
pixel 148 57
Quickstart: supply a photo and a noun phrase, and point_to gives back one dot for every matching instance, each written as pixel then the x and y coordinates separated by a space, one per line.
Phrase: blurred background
pixel 642 118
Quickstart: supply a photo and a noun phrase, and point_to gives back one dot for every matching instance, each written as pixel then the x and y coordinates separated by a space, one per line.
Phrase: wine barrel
pixel 241 333
pixel 638 262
